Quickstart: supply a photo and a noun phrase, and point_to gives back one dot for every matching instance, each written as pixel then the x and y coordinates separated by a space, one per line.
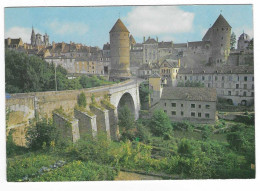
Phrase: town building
pixel 234 83
pixel 189 103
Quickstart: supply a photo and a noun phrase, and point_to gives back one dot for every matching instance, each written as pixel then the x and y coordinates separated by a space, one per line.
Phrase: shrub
pixel 160 123
pixel 82 100
pixel 42 133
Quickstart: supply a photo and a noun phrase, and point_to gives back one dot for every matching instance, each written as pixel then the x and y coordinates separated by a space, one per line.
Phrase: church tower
pixel 33 38
pixel 119 51
pixel 46 39
pixel 220 41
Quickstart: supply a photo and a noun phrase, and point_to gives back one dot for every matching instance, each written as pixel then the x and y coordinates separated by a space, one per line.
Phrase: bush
pixel 160 123
pixel 40 134
pixel 79 171
pixel 82 100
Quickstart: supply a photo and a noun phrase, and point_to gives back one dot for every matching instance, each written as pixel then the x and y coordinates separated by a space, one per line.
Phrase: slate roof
pixel 119 27
pixel 155 75
pixel 150 41
pixel 138 45
pixel 180 45
pixel 189 94
pixel 221 22
pixel 221 70
pixel 106 46
pixel 207 36
pixel 165 44
pixel 132 40
pixel 198 43
pixel 171 62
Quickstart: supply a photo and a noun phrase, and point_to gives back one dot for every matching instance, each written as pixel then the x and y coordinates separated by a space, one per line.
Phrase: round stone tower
pixel 220 41
pixel 119 51
pixel 243 41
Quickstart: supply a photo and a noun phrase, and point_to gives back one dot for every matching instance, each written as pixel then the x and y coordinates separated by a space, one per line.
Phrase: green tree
pixel 160 123
pixel 233 41
pixel 82 100
pixel 251 44
pixel 42 133
pixel 144 95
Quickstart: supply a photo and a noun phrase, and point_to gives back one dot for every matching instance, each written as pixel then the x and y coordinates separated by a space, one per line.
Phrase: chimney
pixel 144 38
pixel 157 38
pixel 8 41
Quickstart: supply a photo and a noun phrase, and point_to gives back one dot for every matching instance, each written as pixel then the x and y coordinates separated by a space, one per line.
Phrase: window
pixel 173 104
pixel 182 113
pixel 190 78
pixel 182 105
pixel 252 78
pixel 209 77
pixel 199 106
pixel 245 86
pixel 208 85
pixel 229 93
pixel 185 77
pixel 192 105
pixel 165 111
pixel 238 78
pixel 223 78
pixel 237 86
pixel 244 93
pixel 207 115
pixel 252 94
pixel 245 78
pixel 207 106
pixel 199 114
pixel 173 112
pixel 216 78
pixel 203 78
pixel 165 104
pixel 252 86
pixel 192 114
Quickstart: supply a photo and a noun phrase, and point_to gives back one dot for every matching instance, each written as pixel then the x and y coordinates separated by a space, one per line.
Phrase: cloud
pixel 155 20
pixel 64 28
pixel 20 32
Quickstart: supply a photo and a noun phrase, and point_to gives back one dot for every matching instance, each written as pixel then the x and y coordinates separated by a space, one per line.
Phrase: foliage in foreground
pixel 79 171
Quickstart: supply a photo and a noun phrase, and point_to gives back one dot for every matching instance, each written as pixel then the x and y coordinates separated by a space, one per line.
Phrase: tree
pixel 233 41
pixel 160 123
pixel 144 95
pixel 40 134
pixel 82 100
pixel 251 44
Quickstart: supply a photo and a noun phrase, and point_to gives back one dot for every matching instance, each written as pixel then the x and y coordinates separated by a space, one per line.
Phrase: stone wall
pixel 114 128
pixel 87 123
pixel 68 128
pixel 103 125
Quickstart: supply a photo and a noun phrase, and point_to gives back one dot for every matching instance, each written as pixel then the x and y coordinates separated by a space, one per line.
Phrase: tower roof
pixel 119 27
pixel 221 22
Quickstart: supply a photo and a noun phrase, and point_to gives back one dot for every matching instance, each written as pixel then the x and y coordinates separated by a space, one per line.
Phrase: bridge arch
pixel 126 100
pixel 129 95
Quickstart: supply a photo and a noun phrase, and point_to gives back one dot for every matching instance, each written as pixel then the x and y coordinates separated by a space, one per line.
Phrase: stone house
pixel 169 69
pixel 189 103
pixel 234 83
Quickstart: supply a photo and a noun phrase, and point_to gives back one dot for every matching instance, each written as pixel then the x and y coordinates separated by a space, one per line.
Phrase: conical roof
pixel 221 22
pixel 119 27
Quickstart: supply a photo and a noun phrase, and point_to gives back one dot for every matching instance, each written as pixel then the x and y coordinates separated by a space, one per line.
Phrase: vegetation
pixel 149 145
pixel 82 102
pixel 25 73
pixel 144 95
pixel 233 41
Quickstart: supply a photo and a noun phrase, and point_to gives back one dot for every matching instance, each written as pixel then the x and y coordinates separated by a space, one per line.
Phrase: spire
pixel 119 27
pixel 221 22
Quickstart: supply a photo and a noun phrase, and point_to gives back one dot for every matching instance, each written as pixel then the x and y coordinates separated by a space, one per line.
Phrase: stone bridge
pixel 23 107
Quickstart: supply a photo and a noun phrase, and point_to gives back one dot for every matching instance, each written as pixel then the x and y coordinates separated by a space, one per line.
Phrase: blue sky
pixel 91 25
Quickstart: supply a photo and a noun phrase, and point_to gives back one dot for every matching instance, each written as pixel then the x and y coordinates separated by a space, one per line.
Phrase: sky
pixel 91 25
